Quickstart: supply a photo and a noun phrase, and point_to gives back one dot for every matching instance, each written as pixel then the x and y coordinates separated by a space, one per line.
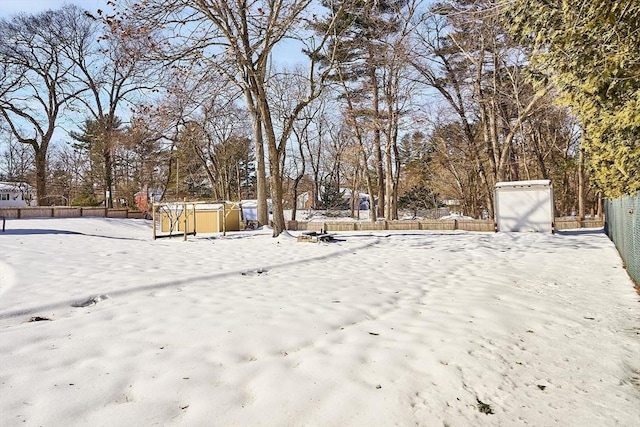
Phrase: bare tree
pixel 16 161
pixel 36 82
pixel 242 35
pixel 397 93
pixel 148 137
pixel 299 157
pixel 219 142
pixel 68 176
pixel 114 73
pixel 464 53
pixel 371 56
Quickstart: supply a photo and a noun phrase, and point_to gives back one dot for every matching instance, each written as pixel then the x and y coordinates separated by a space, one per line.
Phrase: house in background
pixel 305 200
pixel 360 200
pixel 16 195
pixel 145 197
pixel 249 209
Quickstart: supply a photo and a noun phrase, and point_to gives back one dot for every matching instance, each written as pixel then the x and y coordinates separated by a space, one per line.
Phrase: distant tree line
pixel 408 101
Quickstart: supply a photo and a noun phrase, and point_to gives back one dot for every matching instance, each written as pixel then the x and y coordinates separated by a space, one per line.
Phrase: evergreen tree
pixel 99 139
pixel 590 50
pixel 361 52
pixel 416 198
pixel 331 197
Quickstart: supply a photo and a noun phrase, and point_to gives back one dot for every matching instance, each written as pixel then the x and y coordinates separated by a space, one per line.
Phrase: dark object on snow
pixel 315 237
pixel 90 301
pixel 254 272
pixel 484 407
pixel 38 319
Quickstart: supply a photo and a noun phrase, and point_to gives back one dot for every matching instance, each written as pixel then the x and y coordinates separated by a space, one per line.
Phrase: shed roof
pixel 531 183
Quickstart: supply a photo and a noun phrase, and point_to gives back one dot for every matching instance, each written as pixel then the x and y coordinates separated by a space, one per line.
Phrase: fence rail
pixel 622 225
pixel 425 224
pixel 68 212
pixel 566 223
pixel 448 224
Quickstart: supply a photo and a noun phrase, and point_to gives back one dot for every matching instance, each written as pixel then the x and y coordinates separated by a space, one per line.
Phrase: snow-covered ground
pixel 102 326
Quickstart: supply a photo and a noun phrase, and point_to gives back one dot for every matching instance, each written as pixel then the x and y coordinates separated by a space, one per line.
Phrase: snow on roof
pixel 531 183
pixel 14 186
pixel 190 205
pixel 252 203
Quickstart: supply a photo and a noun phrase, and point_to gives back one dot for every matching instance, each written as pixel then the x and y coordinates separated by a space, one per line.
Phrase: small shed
pixel 209 217
pixel 524 206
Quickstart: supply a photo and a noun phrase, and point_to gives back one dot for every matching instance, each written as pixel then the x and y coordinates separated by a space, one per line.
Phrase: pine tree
pixel 99 139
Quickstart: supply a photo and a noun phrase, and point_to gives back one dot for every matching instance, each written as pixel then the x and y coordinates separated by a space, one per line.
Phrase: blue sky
pixel 288 52
pixel 11 7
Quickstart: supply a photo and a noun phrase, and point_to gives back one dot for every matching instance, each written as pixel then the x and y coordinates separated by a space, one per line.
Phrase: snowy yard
pixel 102 326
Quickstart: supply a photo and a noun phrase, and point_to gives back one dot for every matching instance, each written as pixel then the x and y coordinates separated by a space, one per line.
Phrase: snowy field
pixel 102 326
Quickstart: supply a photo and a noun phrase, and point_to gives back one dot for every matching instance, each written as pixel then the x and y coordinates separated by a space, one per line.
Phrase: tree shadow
pixel 43 231
pixel 30 231
pixel 173 283
pixel 581 232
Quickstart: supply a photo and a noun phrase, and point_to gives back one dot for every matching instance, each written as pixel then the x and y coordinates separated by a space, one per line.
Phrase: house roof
pixel 14 186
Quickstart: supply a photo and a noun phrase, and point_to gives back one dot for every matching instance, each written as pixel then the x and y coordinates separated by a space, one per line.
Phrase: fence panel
pixel 435 224
pixel 68 212
pixel 475 225
pixel 622 225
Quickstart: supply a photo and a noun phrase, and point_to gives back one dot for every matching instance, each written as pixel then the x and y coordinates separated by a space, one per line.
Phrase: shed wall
pixel 207 220
pixel 524 208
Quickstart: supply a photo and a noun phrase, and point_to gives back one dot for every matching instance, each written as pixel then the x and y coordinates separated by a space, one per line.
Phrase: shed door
pixel 524 209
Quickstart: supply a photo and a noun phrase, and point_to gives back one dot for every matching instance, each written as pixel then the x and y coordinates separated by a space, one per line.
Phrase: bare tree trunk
pixel 41 176
pixel 396 179
pixel 300 136
pixel 376 142
pixel 314 159
pixel 355 195
pixel 388 172
pixel 238 182
pixel 274 156
pixel 392 89
pixel 370 188
pixel 261 175
pixel 108 177
pixel 581 179
pixel 535 139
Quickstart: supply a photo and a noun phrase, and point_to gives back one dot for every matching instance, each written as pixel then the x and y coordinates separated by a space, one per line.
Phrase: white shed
pixel 524 206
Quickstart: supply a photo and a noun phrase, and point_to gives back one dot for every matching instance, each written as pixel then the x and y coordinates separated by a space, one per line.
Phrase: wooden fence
pixel 68 212
pixel 328 226
pixel 572 223
pixel 448 224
